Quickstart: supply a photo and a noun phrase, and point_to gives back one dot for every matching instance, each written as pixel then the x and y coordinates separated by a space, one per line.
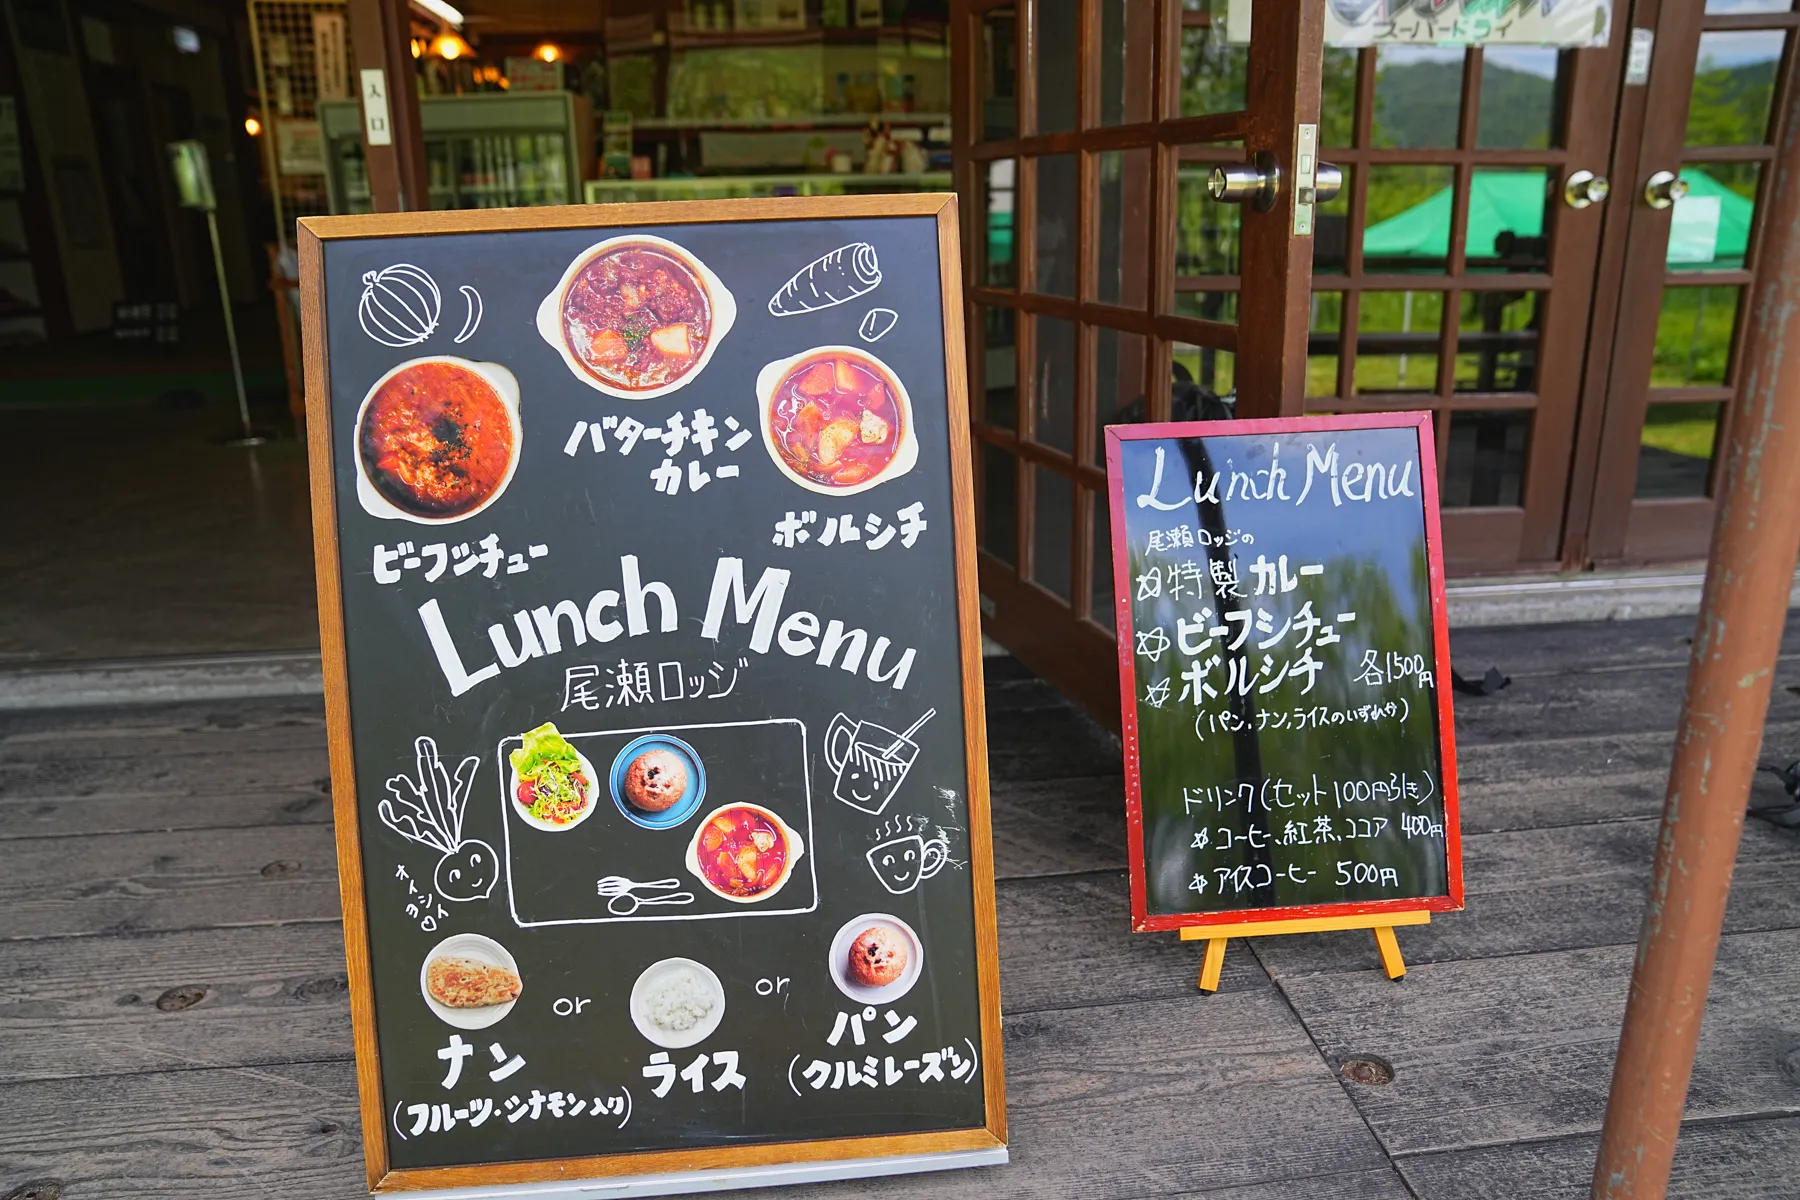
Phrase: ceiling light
pixel 252 126
pixel 442 11
pixel 451 47
pixel 548 52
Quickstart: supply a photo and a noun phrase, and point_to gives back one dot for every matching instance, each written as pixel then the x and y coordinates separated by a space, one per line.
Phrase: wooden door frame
pixel 1061 641
pixel 1609 525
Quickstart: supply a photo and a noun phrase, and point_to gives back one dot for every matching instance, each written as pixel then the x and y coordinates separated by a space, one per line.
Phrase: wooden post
pixel 381 36
pixel 1735 645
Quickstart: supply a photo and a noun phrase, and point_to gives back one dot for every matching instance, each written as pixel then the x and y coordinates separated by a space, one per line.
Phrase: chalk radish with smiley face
pixel 429 810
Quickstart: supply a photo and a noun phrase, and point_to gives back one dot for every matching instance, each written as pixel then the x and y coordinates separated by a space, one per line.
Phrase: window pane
pixel 1208 306
pixel 1206 232
pixel 1397 341
pixel 1212 72
pixel 1119 361
pixel 1001 190
pixel 1058 235
pixel 1734 85
pixel 1337 101
pixel 1506 220
pixel 1748 6
pixel 1052 520
pixel 1127 39
pixel 1408 219
pixel 1322 343
pixel 1000 366
pixel 1331 227
pixel 1709 228
pixel 1693 336
pixel 1101 595
pixel 1058 47
pixel 1675 458
pixel 1485 464
pixel 1521 98
pixel 1200 377
pixel 1125 186
pixel 1000 504
pixel 999 75
pixel 1417 93
pixel 1497 341
pixel 1053 384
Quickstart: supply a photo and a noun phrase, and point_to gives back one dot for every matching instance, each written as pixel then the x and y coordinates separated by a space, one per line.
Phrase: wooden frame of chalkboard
pixel 853 1155
pixel 1451 897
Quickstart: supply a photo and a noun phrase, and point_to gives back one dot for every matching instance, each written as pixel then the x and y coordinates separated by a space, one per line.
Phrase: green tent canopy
pixel 1514 200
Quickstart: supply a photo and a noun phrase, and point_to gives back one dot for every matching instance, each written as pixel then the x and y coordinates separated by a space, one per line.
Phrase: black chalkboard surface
pixel 1283 661
pixel 646 575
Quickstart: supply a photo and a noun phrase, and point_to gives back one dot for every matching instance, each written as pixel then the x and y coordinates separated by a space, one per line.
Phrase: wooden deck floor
pixel 145 850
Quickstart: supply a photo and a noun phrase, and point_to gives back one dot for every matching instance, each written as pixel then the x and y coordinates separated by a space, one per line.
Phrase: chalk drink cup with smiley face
pixel 870 760
pixel 903 863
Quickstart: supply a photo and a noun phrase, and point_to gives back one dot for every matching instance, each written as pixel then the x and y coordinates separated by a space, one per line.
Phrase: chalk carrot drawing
pixel 429 810
pixel 829 280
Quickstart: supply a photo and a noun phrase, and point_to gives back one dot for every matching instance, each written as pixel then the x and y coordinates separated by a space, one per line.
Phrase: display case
pixel 718 187
pixel 488 150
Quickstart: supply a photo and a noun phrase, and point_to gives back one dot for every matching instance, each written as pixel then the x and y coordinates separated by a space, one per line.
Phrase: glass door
pixel 1706 149
pixel 1104 284
pixel 1455 270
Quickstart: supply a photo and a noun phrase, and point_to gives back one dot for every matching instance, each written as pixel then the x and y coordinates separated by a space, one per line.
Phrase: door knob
pixel 1585 188
pixel 1664 189
pixel 1330 182
pixel 1254 183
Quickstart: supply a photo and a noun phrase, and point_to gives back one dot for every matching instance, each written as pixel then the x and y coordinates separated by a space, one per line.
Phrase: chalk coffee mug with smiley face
pixel 903 863
pixel 870 761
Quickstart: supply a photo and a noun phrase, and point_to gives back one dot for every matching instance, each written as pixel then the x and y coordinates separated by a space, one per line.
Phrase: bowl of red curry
pixel 636 316
pixel 437 440
pixel 836 420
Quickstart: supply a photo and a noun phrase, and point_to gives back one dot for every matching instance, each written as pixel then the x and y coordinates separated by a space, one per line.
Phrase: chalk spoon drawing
pixel 876 324
pixel 472 322
pixel 400 305
pixel 870 760
pixel 829 280
pixel 429 810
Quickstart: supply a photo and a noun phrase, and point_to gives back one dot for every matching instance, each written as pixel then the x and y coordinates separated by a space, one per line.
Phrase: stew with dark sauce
pixel 637 317
pixel 436 440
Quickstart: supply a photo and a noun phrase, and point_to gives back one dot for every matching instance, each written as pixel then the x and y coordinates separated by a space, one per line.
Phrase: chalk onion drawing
pixel 876 324
pixel 400 305
pixel 829 280
pixel 623 899
pixel 911 851
pixel 472 322
pixel 870 760
pixel 429 810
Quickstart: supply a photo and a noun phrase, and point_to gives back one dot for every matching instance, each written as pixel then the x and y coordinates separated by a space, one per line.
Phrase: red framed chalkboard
pixel 1284 664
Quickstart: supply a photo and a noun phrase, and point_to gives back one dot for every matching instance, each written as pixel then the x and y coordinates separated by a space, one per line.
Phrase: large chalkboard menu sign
pixel 647 589
pixel 1283 664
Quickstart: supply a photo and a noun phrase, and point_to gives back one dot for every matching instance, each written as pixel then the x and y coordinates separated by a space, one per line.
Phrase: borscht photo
pixel 836 420
pixel 435 440
pixel 743 852
pixel 636 316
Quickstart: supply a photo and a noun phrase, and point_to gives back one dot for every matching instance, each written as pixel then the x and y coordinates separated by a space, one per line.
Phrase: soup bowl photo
pixel 636 316
pixel 437 440
pixel 743 853
pixel 836 420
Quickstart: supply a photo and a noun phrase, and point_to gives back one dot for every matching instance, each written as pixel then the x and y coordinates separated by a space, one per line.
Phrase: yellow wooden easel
pixel 1380 924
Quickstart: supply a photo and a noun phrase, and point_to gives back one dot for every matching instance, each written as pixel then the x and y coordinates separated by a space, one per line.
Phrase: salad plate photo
pixel 553 784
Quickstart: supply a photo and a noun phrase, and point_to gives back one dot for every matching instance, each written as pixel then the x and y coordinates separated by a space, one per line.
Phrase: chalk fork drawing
pixel 623 898
pixel 472 322
pixel 829 280
pixel 910 852
pixel 428 809
pixel 400 305
pixel 876 324
pixel 870 760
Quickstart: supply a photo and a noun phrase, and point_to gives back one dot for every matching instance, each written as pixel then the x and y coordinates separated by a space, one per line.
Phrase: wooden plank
pixel 213 772
pixel 1731 1160
pixel 137 882
pixel 1516 1048
pixel 1556 889
pixel 1057 742
pixel 1381 1183
pixel 88 1006
pixel 1576 646
pixel 283 723
pixel 1066 941
pixel 65 816
pixel 245 1134
pixel 1058 826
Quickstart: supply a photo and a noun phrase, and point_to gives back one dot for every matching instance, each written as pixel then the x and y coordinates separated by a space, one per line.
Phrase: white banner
pixel 1572 23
